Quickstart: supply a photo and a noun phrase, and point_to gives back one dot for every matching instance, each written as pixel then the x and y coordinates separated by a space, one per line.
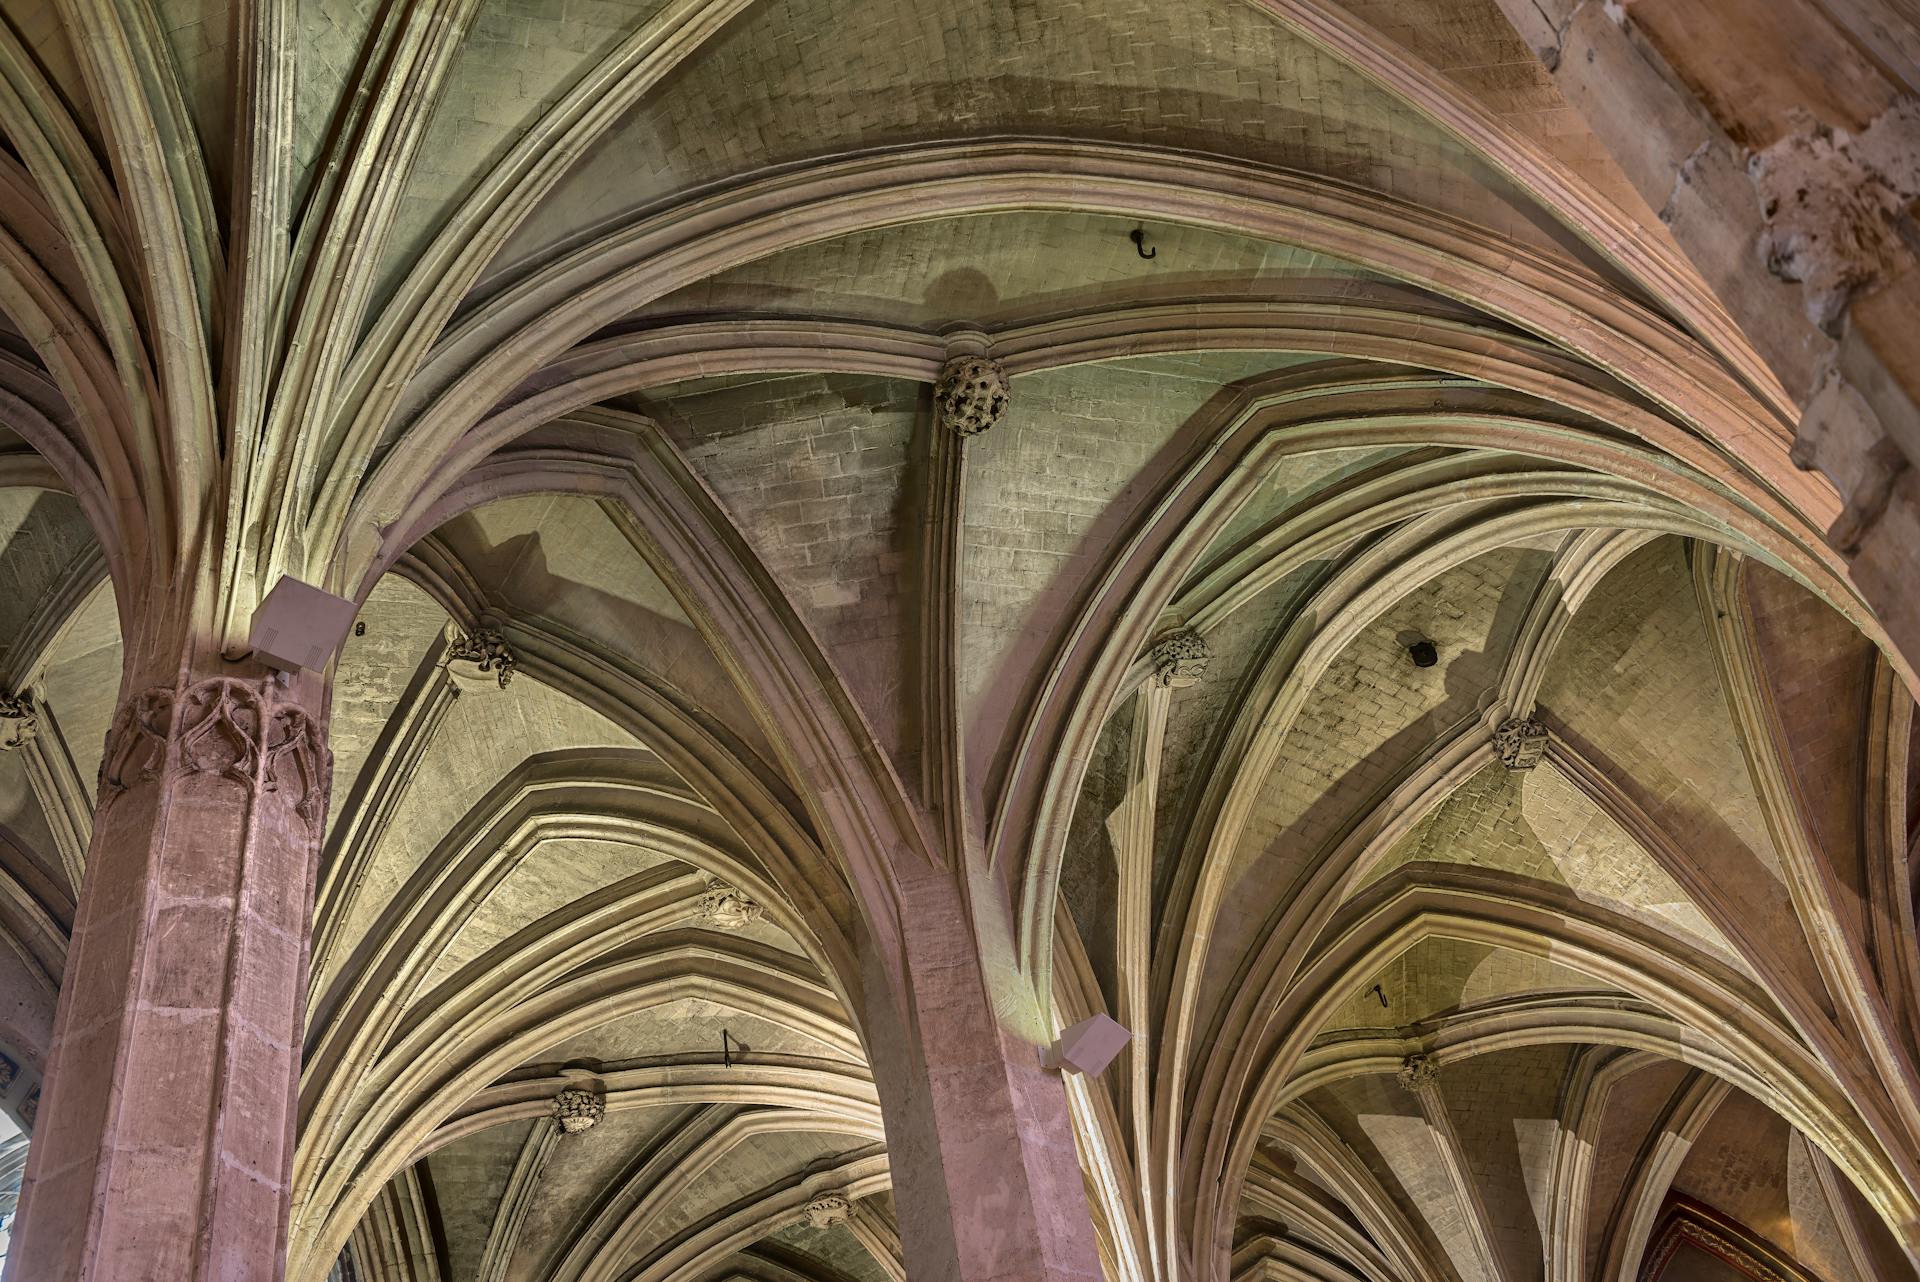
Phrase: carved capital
pixel 1521 743
pixel 1419 1072
pixel 826 1210
pixel 1180 658
pixel 577 1109
pixel 220 725
pixel 972 394
pixel 726 907
pixel 481 659
pixel 19 720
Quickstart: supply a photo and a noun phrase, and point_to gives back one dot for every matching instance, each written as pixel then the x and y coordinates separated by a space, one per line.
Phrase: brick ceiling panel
pixel 331 34
pixel 480 741
pixel 1043 503
pixel 1538 825
pixel 995 269
pixel 469 1178
pixel 1633 1108
pixel 815 470
pixel 1220 77
pixel 1504 1107
pixel 1640 646
pixel 1440 976
pixel 41 31
pixel 1371 713
pixel 518 58
pixel 1472 44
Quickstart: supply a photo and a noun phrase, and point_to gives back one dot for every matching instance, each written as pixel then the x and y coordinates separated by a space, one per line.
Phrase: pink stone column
pixel 986 1178
pixel 166 1127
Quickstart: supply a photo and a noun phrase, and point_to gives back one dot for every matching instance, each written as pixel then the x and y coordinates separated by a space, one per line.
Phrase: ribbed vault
pixel 1384 654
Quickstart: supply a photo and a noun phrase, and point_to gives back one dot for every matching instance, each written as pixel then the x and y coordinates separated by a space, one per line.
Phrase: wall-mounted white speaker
pixel 299 626
pixel 1088 1047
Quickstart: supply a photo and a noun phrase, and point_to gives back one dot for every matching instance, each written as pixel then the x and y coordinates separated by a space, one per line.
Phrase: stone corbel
pixel 1180 658
pixel 19 720
pixel 825 1210
pixel 480 660
pixel 1833 202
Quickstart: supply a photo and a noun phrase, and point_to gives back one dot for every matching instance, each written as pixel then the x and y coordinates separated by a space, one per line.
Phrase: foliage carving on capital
pixel 1180 658
pixel 1419 1072
pixel 826 1210
pixel 577 1109
pixel 1521 742
pixel 19 720
pixel 220 725
pixel 483 652
pixel 972 395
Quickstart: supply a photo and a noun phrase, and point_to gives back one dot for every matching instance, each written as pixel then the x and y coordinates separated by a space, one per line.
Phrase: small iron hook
pixel 1139 238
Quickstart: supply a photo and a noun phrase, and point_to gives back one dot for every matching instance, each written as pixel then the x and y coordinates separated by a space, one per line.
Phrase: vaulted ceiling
pixel 630 315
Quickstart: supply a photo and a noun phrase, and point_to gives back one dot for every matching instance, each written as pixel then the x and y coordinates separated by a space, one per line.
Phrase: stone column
pixel 986 1179
pixel 166 1131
